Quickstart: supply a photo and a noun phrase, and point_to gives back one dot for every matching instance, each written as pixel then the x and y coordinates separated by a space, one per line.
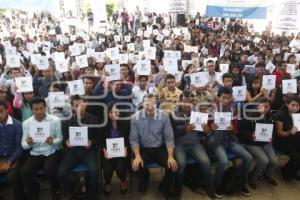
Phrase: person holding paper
pixel 62 110
pixel 201 95
pixel 187 141
pixel 115 128
pixel 255 91
pixel 260 71
pixel 287 139
pixel 292 59
pixel 190 68
pixel 281 73
pixel 111 91
pixel 138 44
pixel 139 91
pixel 22 102
pixel 126 73
pixel 212 76
pixel 152 139
pixel 221 141
pixel 12 155
pixel 42 154
pixel 169 95
pixel 238 77
pixel 263 152
pixel 243 61
pixel 84 154
pixel 41 84
pixel 253 59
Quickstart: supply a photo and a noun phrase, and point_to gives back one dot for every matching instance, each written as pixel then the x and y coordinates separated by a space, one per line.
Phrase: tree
pixel 2 11
pixel 109 10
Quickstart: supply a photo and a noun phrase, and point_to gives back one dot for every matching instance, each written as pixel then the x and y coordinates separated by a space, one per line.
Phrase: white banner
pixel 177 6
pixel 287 17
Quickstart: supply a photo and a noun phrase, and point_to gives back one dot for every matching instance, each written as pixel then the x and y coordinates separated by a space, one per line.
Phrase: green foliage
pixel 109 9
pixel 2 10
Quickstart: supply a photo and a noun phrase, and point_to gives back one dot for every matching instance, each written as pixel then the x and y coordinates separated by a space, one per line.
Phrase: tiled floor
pixel 284 191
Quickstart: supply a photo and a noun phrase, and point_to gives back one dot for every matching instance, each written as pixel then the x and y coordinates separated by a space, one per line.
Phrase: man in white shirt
pixel 138 92
pixel 45 155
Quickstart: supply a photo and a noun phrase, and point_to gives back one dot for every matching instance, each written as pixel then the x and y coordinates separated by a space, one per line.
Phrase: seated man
pixel 151 138
pixel 223 140
pixel 11 152
pixel 187 141
pixel 75 155
pixel 43 154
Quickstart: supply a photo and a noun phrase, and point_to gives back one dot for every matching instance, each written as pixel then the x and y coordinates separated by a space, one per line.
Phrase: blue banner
pixel 28 5
pixel 237 12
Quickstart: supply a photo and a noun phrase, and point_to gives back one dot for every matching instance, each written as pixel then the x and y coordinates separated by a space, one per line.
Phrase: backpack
pixel 233 180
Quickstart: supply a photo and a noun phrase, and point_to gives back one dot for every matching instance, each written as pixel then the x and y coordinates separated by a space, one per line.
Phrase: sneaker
pixel 245 191
pixel 210 192
pixel 219 192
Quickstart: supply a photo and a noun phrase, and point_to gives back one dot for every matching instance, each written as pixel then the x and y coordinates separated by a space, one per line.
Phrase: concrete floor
pixel 283 191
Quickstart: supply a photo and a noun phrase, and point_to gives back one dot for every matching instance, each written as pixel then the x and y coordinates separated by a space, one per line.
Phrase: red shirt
pixel 280 76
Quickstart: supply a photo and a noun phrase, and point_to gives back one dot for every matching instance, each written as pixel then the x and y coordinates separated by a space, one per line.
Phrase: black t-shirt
pixel 287 121
pixel 285 118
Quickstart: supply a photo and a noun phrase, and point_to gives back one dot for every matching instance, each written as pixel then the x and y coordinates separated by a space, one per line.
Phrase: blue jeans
pixel 198 153
pixel 74 157
pixel 219 145
pixel 266 159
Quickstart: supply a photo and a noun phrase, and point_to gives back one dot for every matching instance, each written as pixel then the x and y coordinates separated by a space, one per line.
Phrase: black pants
pixel 14 180
pixel 118 164
pixel 49 165
pixel 291 147
pixel 160 156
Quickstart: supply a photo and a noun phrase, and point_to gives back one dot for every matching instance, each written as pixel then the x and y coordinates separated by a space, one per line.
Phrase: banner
pixel 287 17
pixel 177 6
pixel 244 9
pixel 28 5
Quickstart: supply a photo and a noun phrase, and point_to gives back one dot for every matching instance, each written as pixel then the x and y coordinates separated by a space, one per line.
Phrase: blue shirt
pixel 151 132
pixel 10 140
pixel 45 149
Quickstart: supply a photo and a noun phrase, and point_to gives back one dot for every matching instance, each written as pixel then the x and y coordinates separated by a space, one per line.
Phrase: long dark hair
pixel 250 88
pixel 110 106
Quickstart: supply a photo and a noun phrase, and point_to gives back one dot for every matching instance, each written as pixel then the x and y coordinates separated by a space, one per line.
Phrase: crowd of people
pixel 144 84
